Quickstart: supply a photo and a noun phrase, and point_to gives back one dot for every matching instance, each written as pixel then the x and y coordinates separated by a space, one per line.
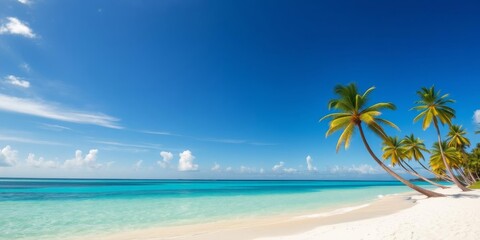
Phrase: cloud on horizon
pixel 360 169
pixel 166 159
pixel 40 162
pixel 14 26
pixel 310 166
pixel 185 163
pixel 90 160
pixel 8 157
pixel 43 109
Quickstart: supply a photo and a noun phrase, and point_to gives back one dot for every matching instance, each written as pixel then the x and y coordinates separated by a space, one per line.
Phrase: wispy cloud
pixel 231 141
pixel 28 140
pixel 120 144
pixel 16 81
pixel 54 127
pixel 159 133
pixel 16 27
pixel 53 111
pixel 215 167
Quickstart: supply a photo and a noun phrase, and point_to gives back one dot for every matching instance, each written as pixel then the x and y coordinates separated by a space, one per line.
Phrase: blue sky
pixel 225 89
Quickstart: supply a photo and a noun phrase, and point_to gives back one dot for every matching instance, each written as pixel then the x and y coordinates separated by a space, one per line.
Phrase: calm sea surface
pixel 61 208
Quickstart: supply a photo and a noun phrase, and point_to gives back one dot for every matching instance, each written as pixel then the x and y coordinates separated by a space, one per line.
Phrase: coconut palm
pixel 434 109
pixel 414 148
pixel 439 152
pixel 396 150
pixel 456 138
pixel 353 113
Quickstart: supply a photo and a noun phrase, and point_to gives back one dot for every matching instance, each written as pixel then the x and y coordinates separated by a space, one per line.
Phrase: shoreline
pixel 270 226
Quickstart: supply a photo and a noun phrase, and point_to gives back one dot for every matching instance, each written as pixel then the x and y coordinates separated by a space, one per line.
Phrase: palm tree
pixel 414 148
pixel 352 113
pixel 441 151
pixel 434 108
pixel 396 150
pixel 456 138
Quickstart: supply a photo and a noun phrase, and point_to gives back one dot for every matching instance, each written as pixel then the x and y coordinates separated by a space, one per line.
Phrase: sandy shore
pixel 454 217
pixel 402 216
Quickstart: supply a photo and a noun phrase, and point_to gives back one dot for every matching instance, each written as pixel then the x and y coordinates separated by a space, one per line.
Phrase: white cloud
pixel 8 157
pixel 185 163
pixel 476 116
pixel 16 27
pixel 290 170
pixel 16 81
pixel 360 169
pixel 228 169
pixel 53 111
pixel 216 167
pixel 166 159
pixel 40 162
pixel 262 170
pixel 79 161
pixel 310 166
pixel 278 166
pixel 26 2
pixel 244 169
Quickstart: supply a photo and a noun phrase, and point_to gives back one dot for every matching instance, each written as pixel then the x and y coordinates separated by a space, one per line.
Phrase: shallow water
pixel 61 208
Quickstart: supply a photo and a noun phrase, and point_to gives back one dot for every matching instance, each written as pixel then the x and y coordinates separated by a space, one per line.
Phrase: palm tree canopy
pixel 414 147
pixel 452 156
pixel 352 110
pixel 456 137
pixel 433 107
pixel 393 149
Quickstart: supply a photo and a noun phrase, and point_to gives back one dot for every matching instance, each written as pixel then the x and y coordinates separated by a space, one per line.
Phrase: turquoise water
pixel 61 208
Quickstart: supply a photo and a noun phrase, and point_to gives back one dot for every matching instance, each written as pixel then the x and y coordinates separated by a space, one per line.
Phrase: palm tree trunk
pixel 471 175
pixel 449 170
pixel 464 175
pixel 463 180
pixel 436 175
pixel 423 191
pixel 415 173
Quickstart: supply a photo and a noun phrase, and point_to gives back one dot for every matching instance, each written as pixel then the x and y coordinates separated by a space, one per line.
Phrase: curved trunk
pixel 463 179
pixel 449 170
pixel 423 191
pixel 446 178
pixel 471 175
pixel 415 173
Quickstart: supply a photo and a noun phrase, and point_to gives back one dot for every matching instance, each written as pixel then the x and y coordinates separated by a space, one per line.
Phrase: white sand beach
pixel 453 217
pixel 402 216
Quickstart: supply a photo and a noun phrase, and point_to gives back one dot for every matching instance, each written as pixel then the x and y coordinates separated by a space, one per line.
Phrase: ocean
pixel 63 208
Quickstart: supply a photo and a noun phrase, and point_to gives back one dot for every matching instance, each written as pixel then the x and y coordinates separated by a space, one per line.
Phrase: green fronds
pixel 352 110
pixel 433 106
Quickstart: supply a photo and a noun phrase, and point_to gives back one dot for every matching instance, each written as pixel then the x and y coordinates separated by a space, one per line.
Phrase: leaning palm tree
pixel 396 150
pixel 456 138
pixel 434 109
pixel 441 151
pixel 353 113
pixel 414 151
